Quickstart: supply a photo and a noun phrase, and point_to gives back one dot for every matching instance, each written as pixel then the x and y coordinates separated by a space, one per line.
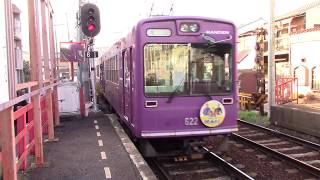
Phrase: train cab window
pixel 187 69
pixel 210 69
pixel 165 69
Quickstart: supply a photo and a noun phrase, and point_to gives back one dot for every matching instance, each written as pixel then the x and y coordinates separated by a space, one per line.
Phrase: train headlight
pixel 189 27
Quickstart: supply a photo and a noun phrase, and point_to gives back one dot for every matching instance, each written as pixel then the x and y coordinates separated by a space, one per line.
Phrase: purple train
pixel 173 79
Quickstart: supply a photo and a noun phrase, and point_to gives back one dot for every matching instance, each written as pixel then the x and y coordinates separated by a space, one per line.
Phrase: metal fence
pixel 286 90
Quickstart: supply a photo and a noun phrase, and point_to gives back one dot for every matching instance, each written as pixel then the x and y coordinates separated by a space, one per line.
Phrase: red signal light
pixel 91 27
pixel 90 20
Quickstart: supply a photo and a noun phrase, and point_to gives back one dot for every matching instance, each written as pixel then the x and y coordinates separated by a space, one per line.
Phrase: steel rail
pixel 163 172
pixel 295 162
pixel 213 158
pixel 227 166
pixel 296 139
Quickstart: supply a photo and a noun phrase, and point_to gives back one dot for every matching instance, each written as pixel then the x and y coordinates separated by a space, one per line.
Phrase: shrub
pixel 253 117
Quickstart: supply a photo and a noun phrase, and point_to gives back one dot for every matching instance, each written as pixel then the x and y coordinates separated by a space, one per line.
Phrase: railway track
pixel 211 166
pixel 302 154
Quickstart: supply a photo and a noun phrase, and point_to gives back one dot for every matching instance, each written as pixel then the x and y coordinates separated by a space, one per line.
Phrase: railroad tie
pixel 290 148
pixel 220 178
pixel 186 163
pixel 308 154
pixel 253 135
pixel 313 162
pixel 276 144
pixel 292 171
pixel 268 141
pixel 244 133
pixel 206 170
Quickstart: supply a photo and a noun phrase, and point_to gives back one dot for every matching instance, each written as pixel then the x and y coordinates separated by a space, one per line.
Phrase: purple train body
pixel 174 77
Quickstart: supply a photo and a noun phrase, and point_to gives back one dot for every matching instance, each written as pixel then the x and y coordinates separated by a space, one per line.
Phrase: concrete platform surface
pixel 304 120
pixel 88 149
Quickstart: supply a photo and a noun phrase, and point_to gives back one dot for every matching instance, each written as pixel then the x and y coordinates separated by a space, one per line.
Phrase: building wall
pixel 17 44
pixel 298 24
pixel 305 46
pixel 312 17
pixel 303 42
pixel 248 42
pixel 4 93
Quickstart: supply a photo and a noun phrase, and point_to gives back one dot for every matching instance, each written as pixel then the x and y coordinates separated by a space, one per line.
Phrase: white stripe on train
pixel 202 132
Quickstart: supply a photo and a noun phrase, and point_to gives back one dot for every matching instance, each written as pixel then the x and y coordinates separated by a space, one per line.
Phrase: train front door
pixel 127 85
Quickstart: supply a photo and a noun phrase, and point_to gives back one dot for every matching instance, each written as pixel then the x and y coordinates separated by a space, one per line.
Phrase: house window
pixel 302 73
pixel 316 25
pixel 315 85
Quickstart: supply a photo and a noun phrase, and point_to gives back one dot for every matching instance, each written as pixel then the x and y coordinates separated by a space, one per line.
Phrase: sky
pixel 118 16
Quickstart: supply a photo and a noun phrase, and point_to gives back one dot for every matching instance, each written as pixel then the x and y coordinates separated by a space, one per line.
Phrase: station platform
pixel 94 148
pixel 297 117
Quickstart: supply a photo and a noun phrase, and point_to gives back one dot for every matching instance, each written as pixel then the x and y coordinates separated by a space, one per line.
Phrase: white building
pixel 297 45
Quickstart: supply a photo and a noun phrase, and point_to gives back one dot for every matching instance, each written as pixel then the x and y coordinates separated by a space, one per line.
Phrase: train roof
pixel 163 18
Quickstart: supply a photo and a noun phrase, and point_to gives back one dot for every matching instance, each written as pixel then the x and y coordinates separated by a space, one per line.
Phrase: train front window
pixel 210 69
pixel 165 69
pixel 187 69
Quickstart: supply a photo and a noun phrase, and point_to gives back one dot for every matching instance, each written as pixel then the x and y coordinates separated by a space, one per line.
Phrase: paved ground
pixel 88 149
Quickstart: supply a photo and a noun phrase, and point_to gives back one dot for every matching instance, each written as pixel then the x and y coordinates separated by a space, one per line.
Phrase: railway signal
pixel 90 20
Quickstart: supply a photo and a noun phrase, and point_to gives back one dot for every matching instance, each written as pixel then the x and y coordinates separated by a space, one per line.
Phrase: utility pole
pixel 260 66
pixel 271 63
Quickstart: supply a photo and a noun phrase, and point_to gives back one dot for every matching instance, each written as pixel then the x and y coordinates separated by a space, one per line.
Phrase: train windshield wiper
pixel 207 93
pixel 212 41
pixel 172 95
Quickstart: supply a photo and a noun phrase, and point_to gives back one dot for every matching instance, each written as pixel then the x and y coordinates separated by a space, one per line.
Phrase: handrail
pixel 30 123
pixel 33 83
pixel 25 127
pixel 26 85
pixel 287 84
pixel 16 100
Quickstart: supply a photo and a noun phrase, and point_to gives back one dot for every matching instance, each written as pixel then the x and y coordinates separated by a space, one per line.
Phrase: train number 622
pixel 191 121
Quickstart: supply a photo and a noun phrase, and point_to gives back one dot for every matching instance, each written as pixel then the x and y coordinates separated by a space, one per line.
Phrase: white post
pixel 93 81
pixel 271 66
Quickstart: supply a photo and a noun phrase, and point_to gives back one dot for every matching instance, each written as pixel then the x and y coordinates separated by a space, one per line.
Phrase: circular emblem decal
pixel 212 113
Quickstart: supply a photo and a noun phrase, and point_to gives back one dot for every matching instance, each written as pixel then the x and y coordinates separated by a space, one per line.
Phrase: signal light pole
pixel 91 55
pixel 90 26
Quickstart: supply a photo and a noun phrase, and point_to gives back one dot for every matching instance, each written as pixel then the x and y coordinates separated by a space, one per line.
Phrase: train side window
pixel 117 70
